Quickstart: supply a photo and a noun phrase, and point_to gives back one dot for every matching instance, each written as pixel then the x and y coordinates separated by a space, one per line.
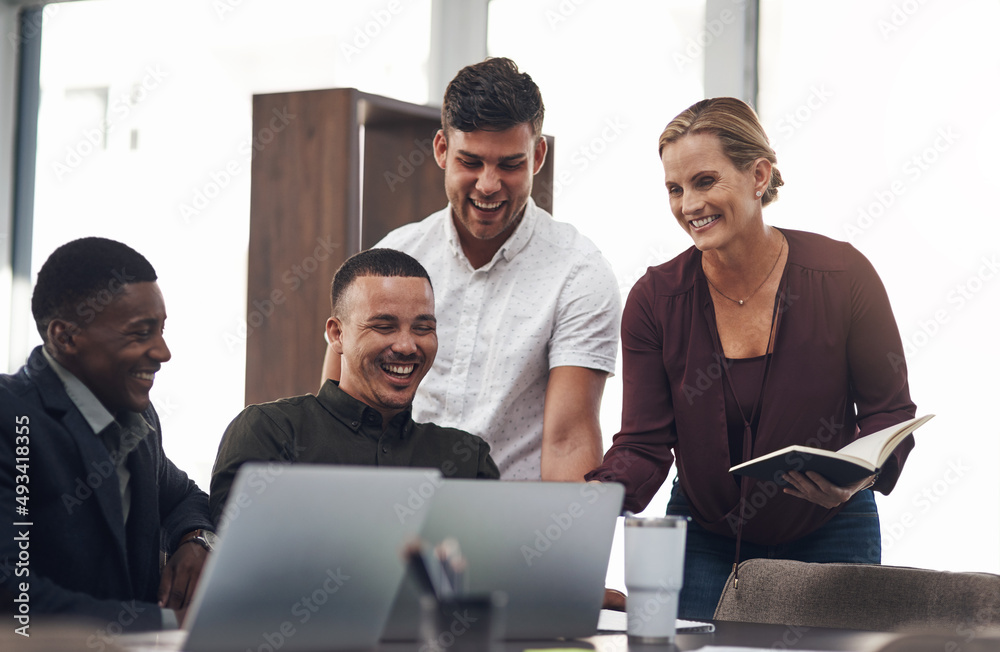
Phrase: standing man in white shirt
pixel 528 308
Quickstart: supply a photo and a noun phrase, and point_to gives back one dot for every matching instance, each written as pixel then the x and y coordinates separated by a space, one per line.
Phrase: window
pixel 144 137
pixel 883 116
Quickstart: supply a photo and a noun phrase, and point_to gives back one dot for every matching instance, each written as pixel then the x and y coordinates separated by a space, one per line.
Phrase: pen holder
pixel 463 622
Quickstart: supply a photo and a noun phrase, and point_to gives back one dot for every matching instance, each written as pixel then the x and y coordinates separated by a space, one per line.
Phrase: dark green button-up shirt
pixel 335 428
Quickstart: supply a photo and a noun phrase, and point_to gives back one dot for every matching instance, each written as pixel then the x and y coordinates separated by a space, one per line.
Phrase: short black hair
pixel 373 262
pixel 492 95
pixel 84 270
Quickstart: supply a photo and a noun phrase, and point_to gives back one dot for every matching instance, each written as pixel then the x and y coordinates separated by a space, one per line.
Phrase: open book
pixel 859 459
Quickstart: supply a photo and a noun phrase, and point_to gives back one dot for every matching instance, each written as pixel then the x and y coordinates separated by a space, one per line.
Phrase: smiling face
pixel 117 354
pixel 386 333
pixel 712 200
pixel 487 178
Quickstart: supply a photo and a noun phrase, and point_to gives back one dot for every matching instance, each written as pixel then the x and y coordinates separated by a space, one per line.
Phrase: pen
pixel 422 571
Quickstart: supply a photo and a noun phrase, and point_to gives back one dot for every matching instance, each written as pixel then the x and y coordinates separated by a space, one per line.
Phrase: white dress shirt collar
pixel 514 244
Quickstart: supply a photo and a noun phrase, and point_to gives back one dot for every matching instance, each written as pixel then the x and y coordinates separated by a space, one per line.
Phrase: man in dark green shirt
pixel 384 328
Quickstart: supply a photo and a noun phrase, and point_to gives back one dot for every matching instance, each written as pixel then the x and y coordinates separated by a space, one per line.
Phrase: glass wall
pixel 884 119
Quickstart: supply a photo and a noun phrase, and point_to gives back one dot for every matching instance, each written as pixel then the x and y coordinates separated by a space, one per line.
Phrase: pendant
pixel 741 302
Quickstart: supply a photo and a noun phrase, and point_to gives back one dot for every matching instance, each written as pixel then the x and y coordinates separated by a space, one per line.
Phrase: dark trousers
pixel 852 536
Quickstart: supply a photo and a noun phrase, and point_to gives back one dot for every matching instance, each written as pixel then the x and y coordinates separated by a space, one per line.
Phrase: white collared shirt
pixel 548 298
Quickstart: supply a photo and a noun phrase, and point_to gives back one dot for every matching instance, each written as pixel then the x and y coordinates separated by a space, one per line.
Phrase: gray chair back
pixel 860 596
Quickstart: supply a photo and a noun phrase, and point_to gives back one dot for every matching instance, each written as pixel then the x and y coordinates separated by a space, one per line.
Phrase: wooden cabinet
pixel 333 171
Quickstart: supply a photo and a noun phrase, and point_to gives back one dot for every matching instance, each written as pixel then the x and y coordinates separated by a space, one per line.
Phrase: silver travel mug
pixel 654 574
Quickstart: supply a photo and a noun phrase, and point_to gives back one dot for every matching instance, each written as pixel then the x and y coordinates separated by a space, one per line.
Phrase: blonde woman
pixel 753 339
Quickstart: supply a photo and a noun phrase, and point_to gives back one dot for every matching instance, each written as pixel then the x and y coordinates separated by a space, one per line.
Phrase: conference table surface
pixel 754 635
pixel 726 634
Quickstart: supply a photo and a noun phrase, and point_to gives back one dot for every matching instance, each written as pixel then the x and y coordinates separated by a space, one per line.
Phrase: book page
pixel 787 450
pixel 877 446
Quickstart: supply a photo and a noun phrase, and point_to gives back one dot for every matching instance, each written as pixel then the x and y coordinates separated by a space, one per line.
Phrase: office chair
pixel 860 596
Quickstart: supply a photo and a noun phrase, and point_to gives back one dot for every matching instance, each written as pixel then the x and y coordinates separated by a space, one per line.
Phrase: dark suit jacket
pixel 82 559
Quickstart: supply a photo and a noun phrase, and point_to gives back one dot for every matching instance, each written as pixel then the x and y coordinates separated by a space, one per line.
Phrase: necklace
pixel 740 302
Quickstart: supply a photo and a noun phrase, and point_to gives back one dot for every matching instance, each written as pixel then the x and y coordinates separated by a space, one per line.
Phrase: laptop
pixel 309 558
pixel 545 544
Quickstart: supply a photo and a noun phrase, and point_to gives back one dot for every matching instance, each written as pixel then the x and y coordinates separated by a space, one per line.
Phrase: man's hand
pixel 180 577
pixel 817 489
pixel 614 600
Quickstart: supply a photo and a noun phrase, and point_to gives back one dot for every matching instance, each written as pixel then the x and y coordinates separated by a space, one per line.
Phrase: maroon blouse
pixel 837 372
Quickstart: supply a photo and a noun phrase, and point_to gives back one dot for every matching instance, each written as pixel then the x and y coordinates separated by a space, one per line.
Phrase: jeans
pixel 852 536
